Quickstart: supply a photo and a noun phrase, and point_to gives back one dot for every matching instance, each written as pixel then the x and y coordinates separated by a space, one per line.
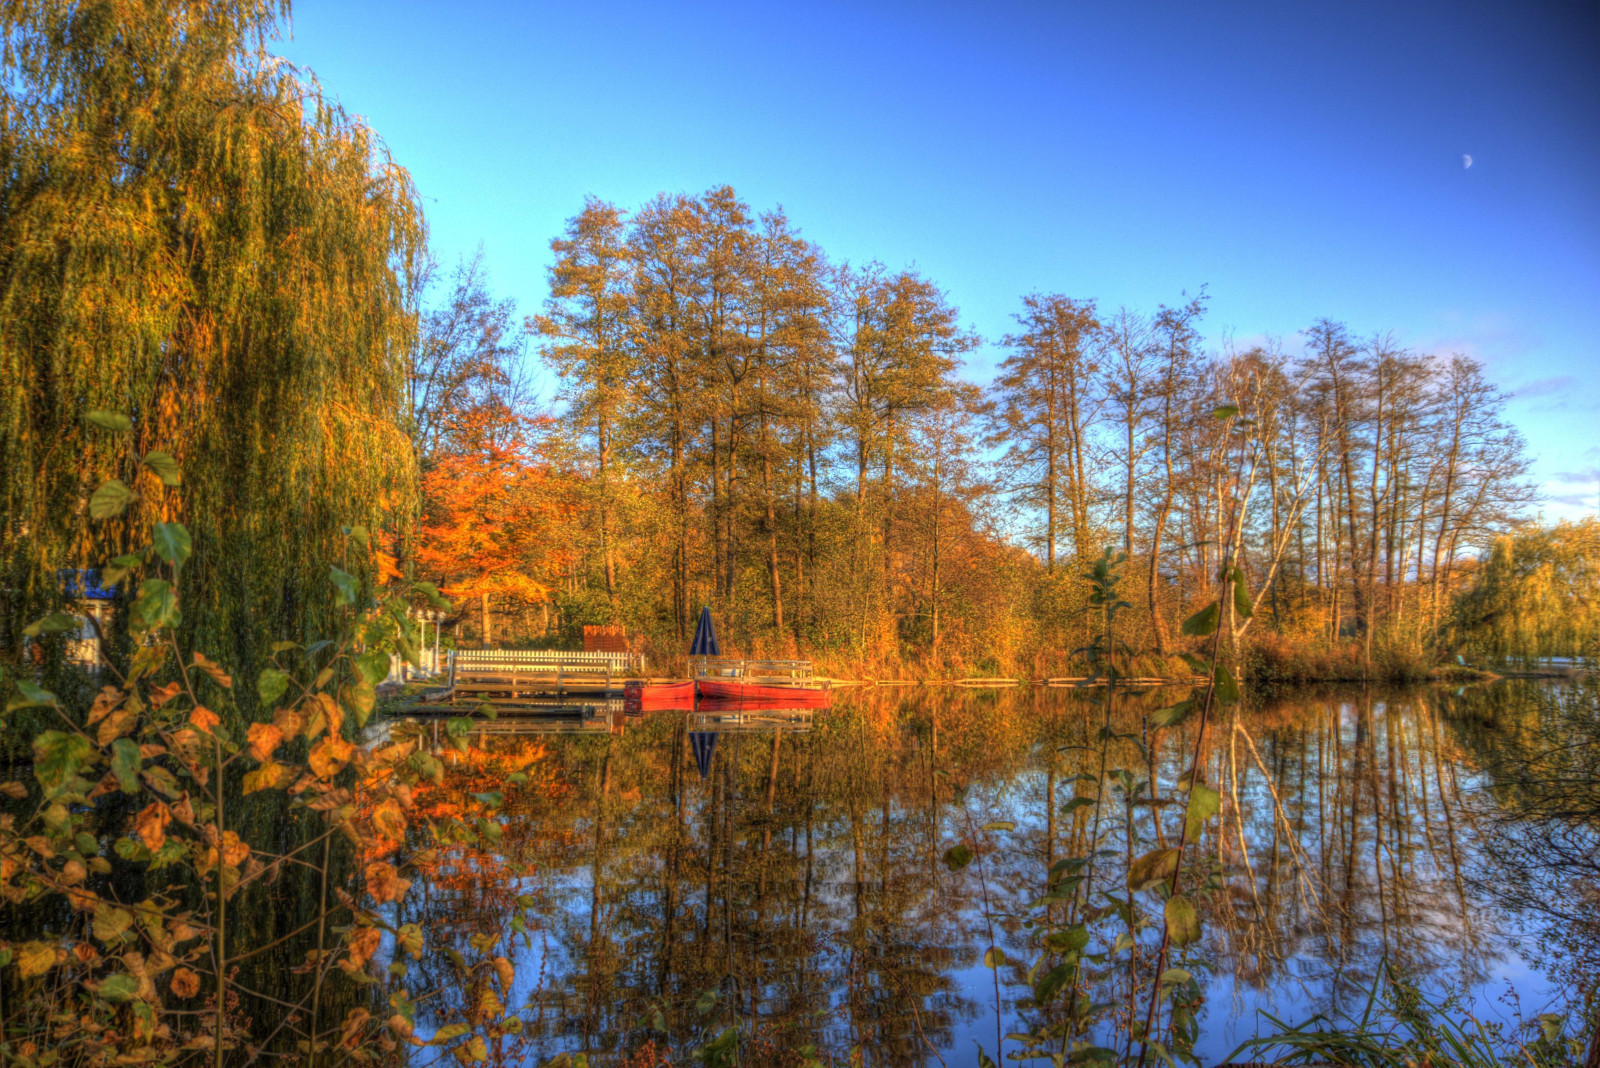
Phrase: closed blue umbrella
pixel 704 744
pixel 705 637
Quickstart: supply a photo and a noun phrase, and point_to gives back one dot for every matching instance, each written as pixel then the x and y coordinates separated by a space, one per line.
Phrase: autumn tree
pixel 587 330
pixel 496 527
pixel 1045 405
pixel 468 349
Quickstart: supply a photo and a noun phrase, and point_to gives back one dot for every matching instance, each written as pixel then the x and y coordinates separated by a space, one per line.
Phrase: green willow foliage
pixel 1537 595
pixel 191 234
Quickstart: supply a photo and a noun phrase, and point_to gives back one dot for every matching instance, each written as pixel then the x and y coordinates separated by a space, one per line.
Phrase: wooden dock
pixel 514 676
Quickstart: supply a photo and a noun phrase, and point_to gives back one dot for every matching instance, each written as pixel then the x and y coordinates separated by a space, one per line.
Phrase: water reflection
pixel 781 869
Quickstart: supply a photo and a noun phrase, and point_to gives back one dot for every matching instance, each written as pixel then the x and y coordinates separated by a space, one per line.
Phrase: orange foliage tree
pixel 496 511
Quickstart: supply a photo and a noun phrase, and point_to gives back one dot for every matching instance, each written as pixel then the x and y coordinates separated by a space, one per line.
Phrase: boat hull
pixel 769 694
pixel 641 697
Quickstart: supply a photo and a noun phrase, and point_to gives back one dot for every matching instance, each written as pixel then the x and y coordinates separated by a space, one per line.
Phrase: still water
pixel 786 873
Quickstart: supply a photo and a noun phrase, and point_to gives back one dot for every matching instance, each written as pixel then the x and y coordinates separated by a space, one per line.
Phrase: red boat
pixel 640 697
pixel 768 693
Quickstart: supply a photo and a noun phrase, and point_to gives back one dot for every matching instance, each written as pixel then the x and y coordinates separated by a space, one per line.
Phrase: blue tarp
pixel 83 584
pixel 705 637
pixel 704 744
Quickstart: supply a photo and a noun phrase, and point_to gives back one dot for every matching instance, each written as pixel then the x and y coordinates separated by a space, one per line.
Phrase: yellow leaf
pixel 35 958
pixel 329 756
pixel 288 723
pixel 389 820
pixel 504 971
pixel 108 698
pixel 116 725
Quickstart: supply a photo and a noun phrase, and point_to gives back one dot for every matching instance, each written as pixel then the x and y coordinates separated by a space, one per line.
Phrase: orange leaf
pixel 210 667
pixel 384 883
pixel 264 740
pixel 389 820
pixel 185 984
pixel 151 823
pixel 268 776
pixel 203 719
pixel 363 943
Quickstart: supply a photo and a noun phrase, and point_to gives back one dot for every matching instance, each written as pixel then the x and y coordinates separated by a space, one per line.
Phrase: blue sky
pixel 1300 160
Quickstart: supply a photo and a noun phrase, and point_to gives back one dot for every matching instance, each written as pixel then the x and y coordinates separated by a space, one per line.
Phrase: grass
pixel 1399 1027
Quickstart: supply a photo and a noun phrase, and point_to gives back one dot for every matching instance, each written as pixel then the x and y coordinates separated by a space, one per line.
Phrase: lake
pixel 789 873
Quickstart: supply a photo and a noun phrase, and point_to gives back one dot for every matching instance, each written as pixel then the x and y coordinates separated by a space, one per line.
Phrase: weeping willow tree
pixel 193 236
pixel 1538 595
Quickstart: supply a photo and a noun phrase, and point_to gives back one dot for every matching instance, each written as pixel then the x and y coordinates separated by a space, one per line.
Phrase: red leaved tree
pixel 496 514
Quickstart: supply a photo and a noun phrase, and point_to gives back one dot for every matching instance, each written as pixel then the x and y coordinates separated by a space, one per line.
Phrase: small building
pixel 91 604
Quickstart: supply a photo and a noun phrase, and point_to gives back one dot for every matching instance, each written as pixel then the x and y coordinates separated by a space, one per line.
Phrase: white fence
pixel 490 659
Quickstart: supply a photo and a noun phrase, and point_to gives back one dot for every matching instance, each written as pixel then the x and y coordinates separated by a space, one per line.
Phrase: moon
pixel 1466 163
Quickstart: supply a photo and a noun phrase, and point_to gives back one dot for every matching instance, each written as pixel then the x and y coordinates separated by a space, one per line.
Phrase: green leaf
pixel 156 605
pixel 114 421
pixel 1204 802
pixel 1087 1054
pixel 1225 411
pixel 33 696
pixel 493 798
pixel 957 856
pixel 1073 939
pixel 1153 867
pixel 359 697
pixel 1202 622
pixel 359 535
pixel 110 499
pixel 1227 689
pixel 119 987
pixel 1242 606
pixel 447 1032
pixel 373 665
pixel 1075 804
pixel 1000 825
pixel 58 757
pixel 349 586
pixel 487 710
pixel 165 467
pixel 54 623
pixel 119 568
pixel 994 957
pixel 1183 923
pixel 172 543
pixel 271 684
pixel 1173 976
pixel 125 764
pixel 1172 715
pixel 431 592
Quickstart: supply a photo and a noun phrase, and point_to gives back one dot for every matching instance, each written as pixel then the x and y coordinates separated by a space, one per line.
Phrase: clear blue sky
pixel 1302 160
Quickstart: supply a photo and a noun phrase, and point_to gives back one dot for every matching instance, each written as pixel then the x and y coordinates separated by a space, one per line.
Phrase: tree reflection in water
pixel 797 890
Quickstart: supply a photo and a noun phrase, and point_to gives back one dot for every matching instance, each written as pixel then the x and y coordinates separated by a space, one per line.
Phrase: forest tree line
pixel 745 423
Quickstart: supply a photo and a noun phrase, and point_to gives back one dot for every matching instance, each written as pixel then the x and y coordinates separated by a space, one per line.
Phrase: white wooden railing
pixel 717 668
